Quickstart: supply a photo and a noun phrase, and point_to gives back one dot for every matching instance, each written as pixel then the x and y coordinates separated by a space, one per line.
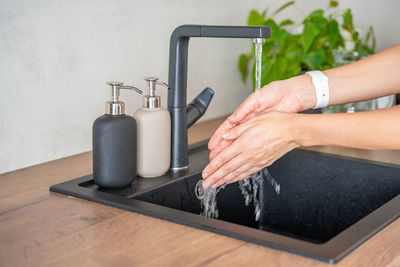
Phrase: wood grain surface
pixel 39 228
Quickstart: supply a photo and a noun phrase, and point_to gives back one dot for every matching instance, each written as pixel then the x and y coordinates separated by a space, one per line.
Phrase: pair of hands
pixel 259 132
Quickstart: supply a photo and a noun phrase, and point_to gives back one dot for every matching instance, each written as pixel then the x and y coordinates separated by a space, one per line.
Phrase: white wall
pixel 57 55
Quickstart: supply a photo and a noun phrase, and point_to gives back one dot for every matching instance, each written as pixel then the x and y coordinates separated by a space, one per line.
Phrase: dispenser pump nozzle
pixel 116 107
pixel 152 100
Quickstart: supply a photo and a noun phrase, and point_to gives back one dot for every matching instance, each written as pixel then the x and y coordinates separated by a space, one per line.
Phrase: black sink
pixel 327 205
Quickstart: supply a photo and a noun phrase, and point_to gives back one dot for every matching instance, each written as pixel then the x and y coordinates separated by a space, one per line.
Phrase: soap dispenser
pixel 114 143
pixel 153 133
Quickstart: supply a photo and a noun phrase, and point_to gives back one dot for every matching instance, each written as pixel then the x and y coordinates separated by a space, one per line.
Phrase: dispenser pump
pixel 116 107
pixel 152 100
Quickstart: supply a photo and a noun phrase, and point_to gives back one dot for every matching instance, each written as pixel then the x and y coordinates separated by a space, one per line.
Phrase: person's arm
pixel 260 141
pixel 378 129
pixel 375 76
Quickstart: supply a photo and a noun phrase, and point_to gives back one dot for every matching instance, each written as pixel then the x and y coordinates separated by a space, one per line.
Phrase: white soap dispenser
pixel 153 133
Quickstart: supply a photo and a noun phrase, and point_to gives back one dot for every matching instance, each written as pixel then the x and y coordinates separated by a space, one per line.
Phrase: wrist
pixel 301 86
pixel 303 131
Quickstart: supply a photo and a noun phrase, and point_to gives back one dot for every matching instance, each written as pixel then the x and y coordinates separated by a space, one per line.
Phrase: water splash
pixel 249 187
pixel 272 181
pixel 250 191
pixel 209 202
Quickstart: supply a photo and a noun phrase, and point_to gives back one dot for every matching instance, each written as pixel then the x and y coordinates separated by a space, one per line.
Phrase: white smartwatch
pixel 321 85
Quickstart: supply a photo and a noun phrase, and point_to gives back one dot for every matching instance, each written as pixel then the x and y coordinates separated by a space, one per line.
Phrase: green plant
pixel 287 53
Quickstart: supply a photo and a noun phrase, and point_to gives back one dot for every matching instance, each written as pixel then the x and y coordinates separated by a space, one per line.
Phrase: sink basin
pixel 327 205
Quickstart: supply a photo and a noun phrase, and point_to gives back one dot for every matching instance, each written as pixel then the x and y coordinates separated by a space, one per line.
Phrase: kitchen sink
pixel 327 204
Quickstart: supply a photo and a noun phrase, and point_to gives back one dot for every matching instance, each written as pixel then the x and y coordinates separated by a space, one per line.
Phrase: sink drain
pixel 199 190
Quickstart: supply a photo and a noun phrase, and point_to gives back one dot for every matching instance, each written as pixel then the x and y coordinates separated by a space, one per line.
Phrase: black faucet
pixel 178 59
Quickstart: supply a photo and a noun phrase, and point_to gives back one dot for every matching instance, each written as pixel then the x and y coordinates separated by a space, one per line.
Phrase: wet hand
pixel 276 96
pixel 249 147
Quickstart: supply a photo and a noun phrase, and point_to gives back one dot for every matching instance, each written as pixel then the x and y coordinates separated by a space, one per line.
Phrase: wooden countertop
pixel 39 228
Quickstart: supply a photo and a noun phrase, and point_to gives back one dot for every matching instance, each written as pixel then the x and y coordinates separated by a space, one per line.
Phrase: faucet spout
pixel 177 78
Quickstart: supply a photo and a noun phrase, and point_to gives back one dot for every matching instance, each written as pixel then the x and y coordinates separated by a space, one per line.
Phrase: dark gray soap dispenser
pixel 114 143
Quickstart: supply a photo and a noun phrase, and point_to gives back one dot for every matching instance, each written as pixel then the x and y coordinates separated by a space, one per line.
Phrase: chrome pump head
pixel 116 107
pixel 152 100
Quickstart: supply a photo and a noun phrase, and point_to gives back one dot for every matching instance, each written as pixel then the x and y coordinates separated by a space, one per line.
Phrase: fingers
pixel 221 146
pixel 243 112
pixel 216 138
pixel 248 147
pixel 228 137
pixel 223 157
pixel 245 174
pixel 227 171
pixel 237 131
pixel 221 162
pixel 254 115
pixel 250 105
pixel 232 134
pixel 241 173
pixel 220 139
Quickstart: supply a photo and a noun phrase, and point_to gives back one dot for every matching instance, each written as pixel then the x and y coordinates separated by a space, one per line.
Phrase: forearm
pixel 368 130
pixel 372 77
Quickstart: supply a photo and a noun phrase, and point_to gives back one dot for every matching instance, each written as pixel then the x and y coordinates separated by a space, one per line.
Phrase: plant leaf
pixel 280 36
pixel 314 59
pixel 317 18
pixel 368 36
pixel 283 7
pixel 333 28
pixel 267 47
pixel 274 29
pixel 286 22
pixel 292 51
pixel 271 23
pixel 293 69
pixel 348 18
pixel 273 70
pixel 318 13
pixel 333 3
pixel 329 60
pixel 243 66
pixel 310 32
pixel 255 18
pixel 373 46
pixel 265 11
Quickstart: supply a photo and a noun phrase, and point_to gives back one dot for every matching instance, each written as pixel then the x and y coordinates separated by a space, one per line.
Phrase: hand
pixel 287 96
pixel 254 144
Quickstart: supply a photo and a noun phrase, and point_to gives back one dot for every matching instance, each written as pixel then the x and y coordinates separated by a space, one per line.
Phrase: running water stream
pixel 248 186
pixel 258 43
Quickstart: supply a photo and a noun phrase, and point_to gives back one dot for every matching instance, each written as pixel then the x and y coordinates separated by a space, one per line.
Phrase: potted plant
pixel 324 39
